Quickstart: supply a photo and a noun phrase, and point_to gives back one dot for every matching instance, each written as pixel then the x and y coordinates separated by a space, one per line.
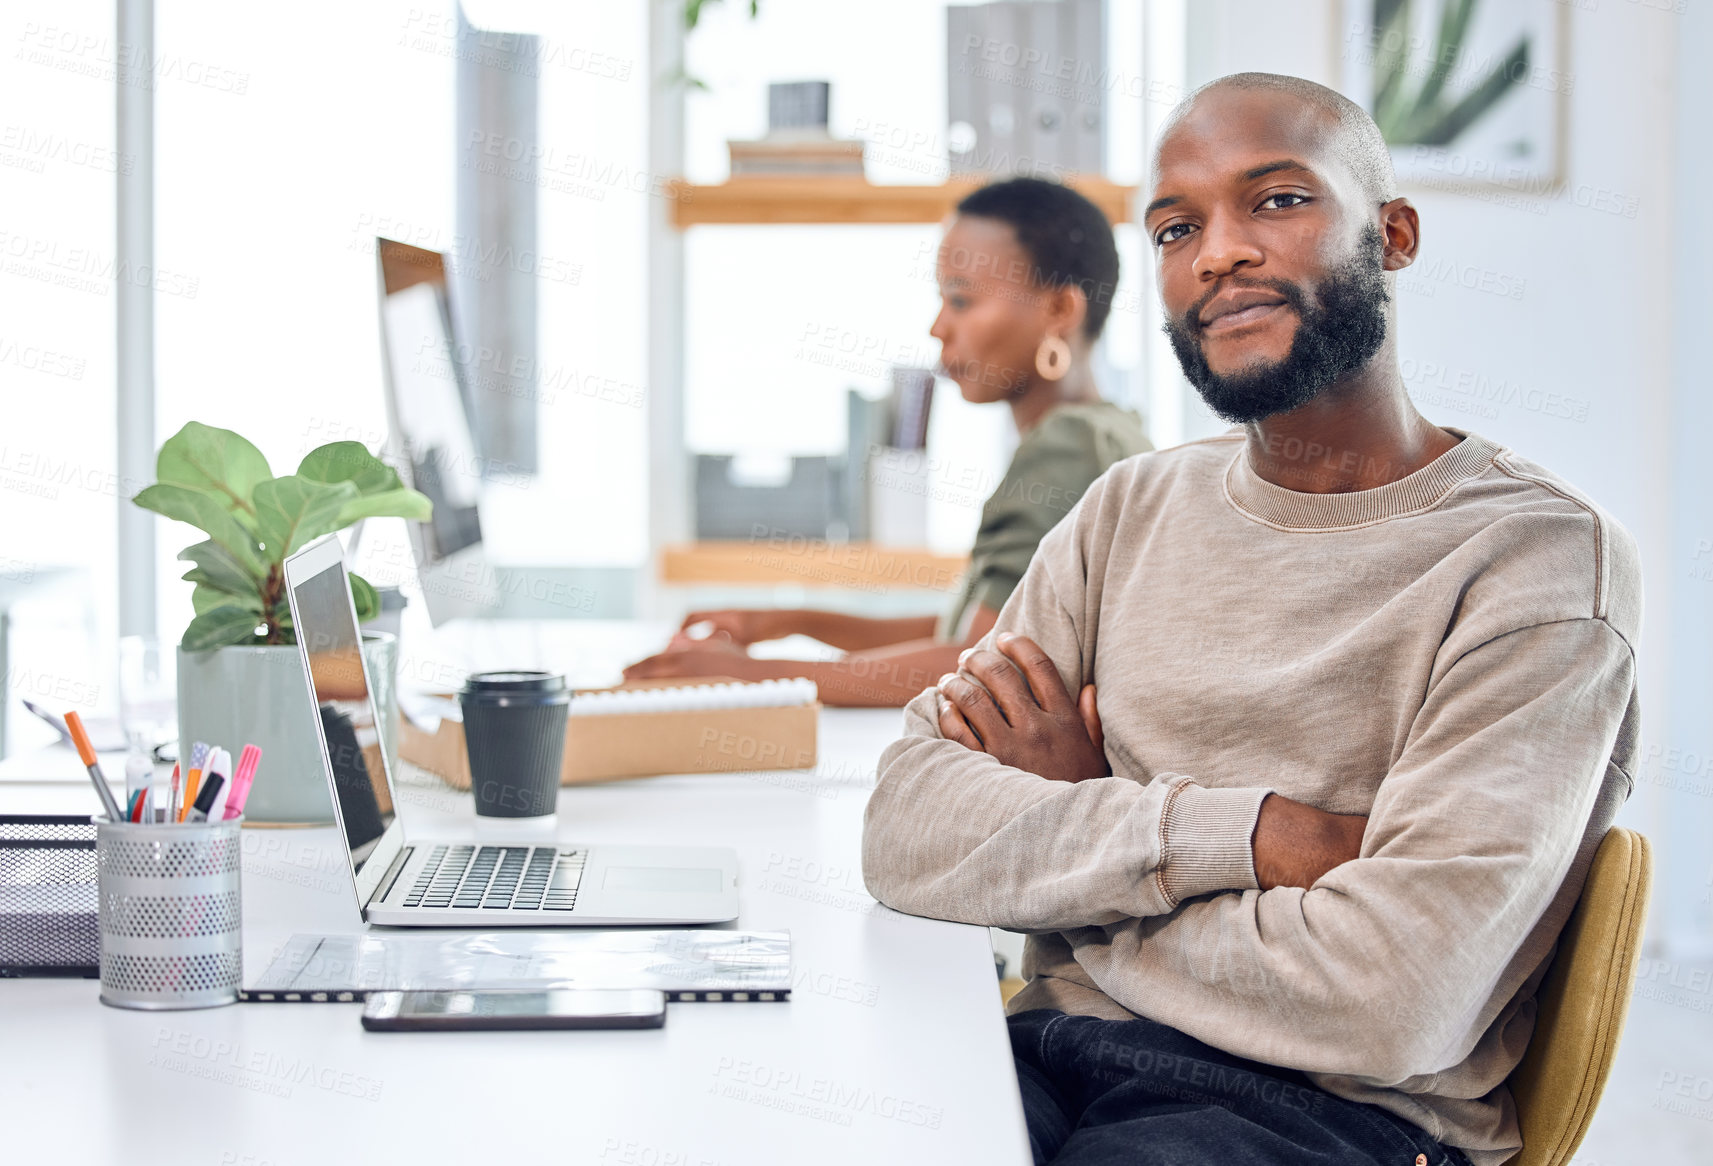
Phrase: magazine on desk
pixel 714 966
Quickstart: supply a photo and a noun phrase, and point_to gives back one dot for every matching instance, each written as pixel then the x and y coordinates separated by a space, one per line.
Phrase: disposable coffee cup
pixel 514 732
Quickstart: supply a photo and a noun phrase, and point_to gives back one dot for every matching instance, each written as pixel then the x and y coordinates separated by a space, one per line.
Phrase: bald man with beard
pixel 1293 747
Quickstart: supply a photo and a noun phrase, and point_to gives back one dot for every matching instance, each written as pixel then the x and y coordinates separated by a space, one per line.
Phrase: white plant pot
pixel 259 696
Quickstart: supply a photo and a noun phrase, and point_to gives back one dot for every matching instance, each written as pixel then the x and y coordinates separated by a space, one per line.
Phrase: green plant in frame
pixel 692 16
pixel 1425 114
pixel 693 12
pixel 217 481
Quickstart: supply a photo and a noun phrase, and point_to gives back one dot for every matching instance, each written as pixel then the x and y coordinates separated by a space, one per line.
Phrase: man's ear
pixel 1400 234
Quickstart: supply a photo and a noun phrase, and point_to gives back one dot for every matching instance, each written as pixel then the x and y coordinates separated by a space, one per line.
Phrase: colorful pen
pixel 211 787
pixel 86 753
pixel 219 765
pixel 154 796
pixel 138 773
pixel 192 777
pixel 242 780
pixel 167 811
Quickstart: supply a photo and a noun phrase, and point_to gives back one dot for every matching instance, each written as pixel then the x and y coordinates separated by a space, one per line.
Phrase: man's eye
pixel 957 302
pixel 1272 200
pixel 1170 235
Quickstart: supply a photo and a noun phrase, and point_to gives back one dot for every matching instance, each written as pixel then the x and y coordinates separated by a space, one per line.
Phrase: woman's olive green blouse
pixel 1055 462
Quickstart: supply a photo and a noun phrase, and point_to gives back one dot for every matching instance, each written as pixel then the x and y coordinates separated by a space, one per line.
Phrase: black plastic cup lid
pixel 515 683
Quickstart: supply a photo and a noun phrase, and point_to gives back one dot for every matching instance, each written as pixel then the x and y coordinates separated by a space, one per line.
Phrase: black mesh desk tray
pixel 48 890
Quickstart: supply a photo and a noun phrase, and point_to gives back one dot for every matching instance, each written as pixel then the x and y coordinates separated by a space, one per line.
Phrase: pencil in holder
pixel 171 914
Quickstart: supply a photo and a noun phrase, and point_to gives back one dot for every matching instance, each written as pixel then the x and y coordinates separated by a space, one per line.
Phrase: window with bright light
pixel 342 128
pixel 59 488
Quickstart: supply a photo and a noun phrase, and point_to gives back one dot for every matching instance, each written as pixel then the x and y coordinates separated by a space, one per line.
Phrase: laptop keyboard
pixel 500 878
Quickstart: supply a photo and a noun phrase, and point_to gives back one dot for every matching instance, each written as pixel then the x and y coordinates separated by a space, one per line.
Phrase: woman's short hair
pixel 1066 236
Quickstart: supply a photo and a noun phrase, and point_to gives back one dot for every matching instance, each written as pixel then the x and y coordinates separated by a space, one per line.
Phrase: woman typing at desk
pixel 1026 273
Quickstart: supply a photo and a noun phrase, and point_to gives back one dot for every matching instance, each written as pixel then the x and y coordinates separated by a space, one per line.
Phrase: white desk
pixel 893 1049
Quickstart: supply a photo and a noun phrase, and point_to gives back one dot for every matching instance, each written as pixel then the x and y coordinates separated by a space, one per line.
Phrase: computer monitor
pixel 429 439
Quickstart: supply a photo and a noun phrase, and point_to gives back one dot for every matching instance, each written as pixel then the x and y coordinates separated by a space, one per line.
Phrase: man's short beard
pixel 1334 338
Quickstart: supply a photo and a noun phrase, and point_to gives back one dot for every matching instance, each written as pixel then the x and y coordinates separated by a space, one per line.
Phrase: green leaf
pixel 207 597
pixel 1495 87
pixel 219 569
pixel 349 461
pixel 379 491
pixel 364 597
pixel 219 628
pixel 1448 50
pixel 1392 36
pixel 216 462
pixel 693 12
pixel 204 511
pixel 400 503
pixel 291 511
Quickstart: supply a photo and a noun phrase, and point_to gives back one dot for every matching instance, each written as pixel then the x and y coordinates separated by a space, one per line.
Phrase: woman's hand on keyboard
pixel 736 625
pixel 709 658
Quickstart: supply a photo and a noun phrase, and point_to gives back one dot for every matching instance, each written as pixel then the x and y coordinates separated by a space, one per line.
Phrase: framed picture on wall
pixel 1469 93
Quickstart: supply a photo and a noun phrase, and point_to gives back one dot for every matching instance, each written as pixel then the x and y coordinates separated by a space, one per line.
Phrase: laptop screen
pixel 327 633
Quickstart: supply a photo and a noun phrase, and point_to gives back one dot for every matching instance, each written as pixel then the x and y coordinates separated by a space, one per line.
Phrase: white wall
pixel 1599 321
pixel 1686 887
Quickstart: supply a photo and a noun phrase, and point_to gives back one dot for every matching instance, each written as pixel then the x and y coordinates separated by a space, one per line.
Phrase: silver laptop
pixel 466 881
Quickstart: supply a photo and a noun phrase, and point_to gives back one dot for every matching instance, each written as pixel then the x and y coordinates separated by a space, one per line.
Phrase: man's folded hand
pixel 1012 705
pixel 1295 844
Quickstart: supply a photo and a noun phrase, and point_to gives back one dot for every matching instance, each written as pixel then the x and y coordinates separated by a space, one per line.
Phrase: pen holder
pixel 170 913
pixel 47 896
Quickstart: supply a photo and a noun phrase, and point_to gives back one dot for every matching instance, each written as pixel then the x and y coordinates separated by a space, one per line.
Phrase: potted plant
pixel 239 675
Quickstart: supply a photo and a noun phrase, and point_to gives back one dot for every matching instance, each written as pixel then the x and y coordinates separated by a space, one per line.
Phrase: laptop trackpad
pixel 681 879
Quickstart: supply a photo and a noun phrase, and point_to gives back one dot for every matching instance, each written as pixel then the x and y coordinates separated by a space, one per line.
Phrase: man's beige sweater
pixel 1451 654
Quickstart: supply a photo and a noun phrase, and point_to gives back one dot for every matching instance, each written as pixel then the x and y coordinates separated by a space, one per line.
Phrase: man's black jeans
pixel 1104 1092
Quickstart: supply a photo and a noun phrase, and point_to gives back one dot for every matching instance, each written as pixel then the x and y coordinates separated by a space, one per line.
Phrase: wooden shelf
pixel 811 563
pixel 850 200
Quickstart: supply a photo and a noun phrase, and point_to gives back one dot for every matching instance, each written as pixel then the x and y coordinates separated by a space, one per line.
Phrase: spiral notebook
pixel 689 966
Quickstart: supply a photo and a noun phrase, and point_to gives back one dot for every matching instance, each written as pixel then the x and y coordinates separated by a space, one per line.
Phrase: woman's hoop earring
pixel 1053 358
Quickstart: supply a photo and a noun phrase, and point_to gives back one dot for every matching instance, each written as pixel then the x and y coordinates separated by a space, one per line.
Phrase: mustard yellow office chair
pixel 1583 1002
